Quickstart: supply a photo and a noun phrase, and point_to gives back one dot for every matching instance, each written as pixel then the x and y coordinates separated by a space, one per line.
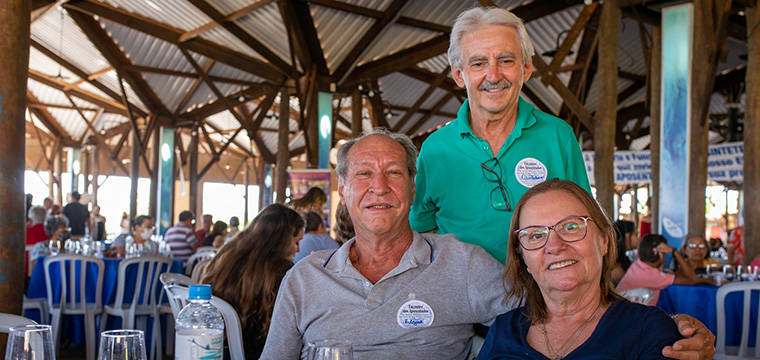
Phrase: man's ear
pixel 527 70
pixel 456 73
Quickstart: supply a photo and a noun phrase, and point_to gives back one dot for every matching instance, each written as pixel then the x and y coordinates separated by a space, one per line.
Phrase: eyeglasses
pixel 499 195
pixel 693 246
pixel 570 229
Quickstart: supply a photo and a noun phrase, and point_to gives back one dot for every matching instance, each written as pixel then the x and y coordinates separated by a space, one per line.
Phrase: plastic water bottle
pixel 200 327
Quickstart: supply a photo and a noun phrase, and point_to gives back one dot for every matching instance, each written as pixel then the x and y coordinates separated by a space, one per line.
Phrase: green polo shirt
pixel 452 193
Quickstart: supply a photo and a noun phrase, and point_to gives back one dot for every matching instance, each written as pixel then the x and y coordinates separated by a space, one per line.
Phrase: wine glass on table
pixel 330 350
pixel 27 342
pixel 122 345
pixel 54 246
pixel 729 272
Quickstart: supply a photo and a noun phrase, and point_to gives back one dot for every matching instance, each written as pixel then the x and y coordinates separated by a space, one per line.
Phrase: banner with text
pixel 725 162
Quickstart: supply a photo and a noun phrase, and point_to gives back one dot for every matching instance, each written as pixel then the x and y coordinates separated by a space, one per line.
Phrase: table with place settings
pixel 73 326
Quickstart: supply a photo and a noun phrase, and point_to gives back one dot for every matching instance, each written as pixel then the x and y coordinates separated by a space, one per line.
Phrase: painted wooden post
pixel 356 113
pixel 752 138
pixel 14 63
pixel 134 174
pixel 283 139
pixel 606 114
pixel 655 72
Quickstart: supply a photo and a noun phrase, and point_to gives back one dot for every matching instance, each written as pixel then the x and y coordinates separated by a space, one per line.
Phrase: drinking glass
pixel 729 271
pixel 30 342
pixel 330 350
pixel 122 345
pixel 754 272
pixel 54 246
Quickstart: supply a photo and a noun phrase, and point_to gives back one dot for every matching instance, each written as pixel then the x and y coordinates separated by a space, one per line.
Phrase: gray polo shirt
pixel 422 309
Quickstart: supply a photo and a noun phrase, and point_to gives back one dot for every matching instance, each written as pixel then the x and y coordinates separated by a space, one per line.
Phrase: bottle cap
pixel 199 292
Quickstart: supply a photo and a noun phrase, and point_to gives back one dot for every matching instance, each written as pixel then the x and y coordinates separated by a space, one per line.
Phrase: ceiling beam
pixel 375 32
pixel 401 59
pixel 107 104
pixel 81 74
pixel 244 36
pixel 113 54
pixel 427 116
pixel 568 96
pixel 297 17
pixel 564 49
pixel 232 99
pixel 231 17
pixel 432 87
pixel 156 29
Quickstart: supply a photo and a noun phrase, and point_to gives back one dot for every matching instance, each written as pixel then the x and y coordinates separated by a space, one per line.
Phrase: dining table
pixel 700 302
pixel 72 327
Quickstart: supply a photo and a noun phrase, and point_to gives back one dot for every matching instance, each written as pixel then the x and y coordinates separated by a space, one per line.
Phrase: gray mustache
pixel 502 84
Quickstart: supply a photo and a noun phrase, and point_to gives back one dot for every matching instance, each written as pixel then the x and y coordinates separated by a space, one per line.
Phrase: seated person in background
pixel 696 250
pixel 343 227
pixel 142 229
pixel 36 232
pixel 181 237
pixel 216 237
pixel 646 271
pixel 315 236
pixel 718 251
pixel 623 262
pixel 314 199
pixel 202 233
pixel 561 253
pixel 234 229
pixel 247 271
pixel 735 246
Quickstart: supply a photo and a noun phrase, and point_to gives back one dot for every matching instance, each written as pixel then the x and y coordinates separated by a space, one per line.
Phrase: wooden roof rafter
pixel 244 36
pixel 231 17
pixel 401 59
pixel 303 35
pixel 116 58
pixel 194 87
pixel 392 11
pixel 108 105
pixel 427 116
pixel 432 87
pixel 167 33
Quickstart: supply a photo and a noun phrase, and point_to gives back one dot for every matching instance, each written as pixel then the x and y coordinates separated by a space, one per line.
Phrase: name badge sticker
pixel 415 314
pixel 530 172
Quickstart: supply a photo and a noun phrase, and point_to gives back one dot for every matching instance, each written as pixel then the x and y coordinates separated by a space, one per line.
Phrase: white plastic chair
pixel 8 320
pixel 199 269
pixel 144 299
pixel 477 343
pixel 744 352
pixel 231 320
pixel 168 279
pixel 206 249
pixel 39 304
pixel 639 295
pixel 72 299
pixel 195 259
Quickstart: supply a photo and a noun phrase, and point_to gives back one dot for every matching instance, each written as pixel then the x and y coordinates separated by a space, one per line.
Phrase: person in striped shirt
pixel 181 237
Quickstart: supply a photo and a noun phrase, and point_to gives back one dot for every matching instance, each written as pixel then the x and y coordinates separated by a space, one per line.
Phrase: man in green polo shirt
pixel 473 171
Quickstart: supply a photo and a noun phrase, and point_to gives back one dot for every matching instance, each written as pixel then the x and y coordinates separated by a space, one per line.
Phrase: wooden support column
pixel 156 160
pixel 14 64
pixel 95 174
pixel 312 128
pixel 192 172
pixel 655 82
pixel 86 169
pixel 134 173
pixel 356 113
pixel 51 171
pixel 752 138
pixel 709 35
pixel 247 196
pixel 59 175
pixel 606 113
pixel 283 153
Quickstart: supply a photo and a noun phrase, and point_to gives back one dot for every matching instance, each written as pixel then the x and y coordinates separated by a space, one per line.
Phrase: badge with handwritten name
pixel 530 172
pixel 415 314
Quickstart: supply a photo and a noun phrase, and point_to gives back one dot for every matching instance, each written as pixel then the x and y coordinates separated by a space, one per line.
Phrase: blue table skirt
pixel 700 302
pixel 72 327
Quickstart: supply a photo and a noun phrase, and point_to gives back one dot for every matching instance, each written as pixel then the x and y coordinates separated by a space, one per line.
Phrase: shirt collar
pixel 420 252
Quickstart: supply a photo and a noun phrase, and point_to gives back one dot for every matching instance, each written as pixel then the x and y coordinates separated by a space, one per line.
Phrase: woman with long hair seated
pixel 561 252
pixel 247 271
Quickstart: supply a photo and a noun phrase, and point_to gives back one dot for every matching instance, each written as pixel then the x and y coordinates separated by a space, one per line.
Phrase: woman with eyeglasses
pixel 696 250
pixel 561 253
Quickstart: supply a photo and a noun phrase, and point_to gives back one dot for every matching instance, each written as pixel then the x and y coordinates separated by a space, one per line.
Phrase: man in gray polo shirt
pixel 392 292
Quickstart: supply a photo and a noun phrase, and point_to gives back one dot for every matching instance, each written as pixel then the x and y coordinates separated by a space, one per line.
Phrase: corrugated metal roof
pixel 176 13
pixel 266 25
pixel 220 36
pixel 71 44
pixel 338 32
pixel 394 39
